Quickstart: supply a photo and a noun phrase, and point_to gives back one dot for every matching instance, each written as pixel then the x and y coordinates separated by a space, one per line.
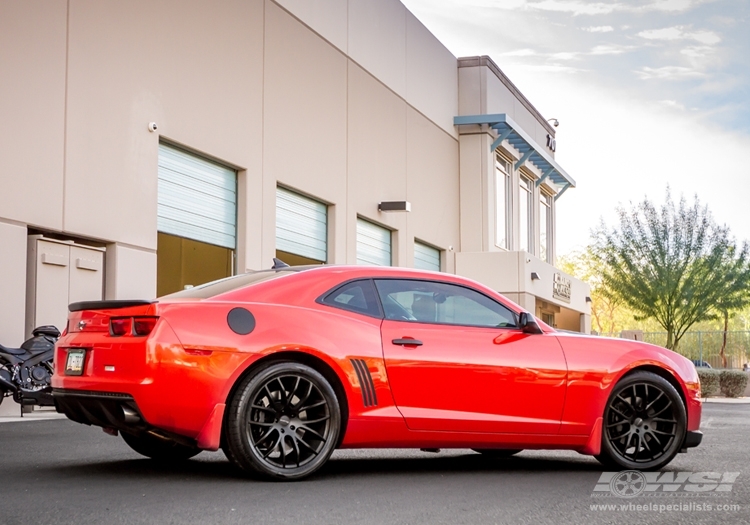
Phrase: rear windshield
pixel 214 288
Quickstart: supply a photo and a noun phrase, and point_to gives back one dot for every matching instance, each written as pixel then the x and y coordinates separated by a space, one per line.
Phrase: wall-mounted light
pixel 554 121
pixel 394 206
pixel 588 299
pixel 535 276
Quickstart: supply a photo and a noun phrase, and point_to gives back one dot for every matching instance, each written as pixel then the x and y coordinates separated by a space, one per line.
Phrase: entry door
pixel 470 369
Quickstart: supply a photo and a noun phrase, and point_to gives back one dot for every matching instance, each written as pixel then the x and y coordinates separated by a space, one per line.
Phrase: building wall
pixel 350 102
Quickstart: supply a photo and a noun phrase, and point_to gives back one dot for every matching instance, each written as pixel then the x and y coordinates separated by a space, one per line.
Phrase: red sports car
pixel 281 367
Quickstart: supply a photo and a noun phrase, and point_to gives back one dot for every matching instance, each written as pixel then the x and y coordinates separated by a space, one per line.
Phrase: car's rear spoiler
pixel 107 305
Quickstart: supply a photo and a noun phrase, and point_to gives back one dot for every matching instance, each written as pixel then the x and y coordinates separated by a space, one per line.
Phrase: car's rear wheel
pixel 498 452
pixel 159 449
pixel 283 422
pixel 644 423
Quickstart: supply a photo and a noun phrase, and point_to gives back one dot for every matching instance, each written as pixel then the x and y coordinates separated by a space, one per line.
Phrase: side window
pixel 356 296
pixel 441 303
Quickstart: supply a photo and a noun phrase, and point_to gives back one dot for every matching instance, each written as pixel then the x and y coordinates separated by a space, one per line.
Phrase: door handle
pixel 407 342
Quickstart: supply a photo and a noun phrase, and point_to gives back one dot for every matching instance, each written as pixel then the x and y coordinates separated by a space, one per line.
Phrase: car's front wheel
pixel 283 422
pixel 644 423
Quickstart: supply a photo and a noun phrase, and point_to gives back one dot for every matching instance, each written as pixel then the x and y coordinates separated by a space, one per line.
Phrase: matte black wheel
pixel 159 449
pixel 498 452
pixel 644 423
pixel 283 422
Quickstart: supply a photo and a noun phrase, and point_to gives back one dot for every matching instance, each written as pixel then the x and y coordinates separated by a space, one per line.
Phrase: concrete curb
pixel 729 400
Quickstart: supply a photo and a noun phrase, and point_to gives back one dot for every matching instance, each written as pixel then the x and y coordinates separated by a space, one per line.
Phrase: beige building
pixel 152 144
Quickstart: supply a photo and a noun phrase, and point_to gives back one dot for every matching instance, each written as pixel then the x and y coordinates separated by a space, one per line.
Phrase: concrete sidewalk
pixel 10 412
pixel 729 400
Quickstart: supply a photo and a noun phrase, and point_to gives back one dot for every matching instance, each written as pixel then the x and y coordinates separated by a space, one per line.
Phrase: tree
pixel 673 264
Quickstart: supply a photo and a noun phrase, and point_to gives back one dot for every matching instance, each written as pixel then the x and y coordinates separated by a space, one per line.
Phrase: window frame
pixel 526 184
pixel 516 315
pixel 545 202
pixel 323 298
pixel 503 166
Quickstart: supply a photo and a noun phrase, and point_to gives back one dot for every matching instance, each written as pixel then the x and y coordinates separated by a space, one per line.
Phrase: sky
pixel 648 93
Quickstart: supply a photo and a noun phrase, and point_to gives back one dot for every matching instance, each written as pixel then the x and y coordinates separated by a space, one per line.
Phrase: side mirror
pixel 528 324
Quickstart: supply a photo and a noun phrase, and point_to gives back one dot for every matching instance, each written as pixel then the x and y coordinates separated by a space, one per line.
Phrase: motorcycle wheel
pixel 158 449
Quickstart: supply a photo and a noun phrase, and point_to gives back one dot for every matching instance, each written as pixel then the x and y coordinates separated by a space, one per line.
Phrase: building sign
pixel 561 287
pixel 551 143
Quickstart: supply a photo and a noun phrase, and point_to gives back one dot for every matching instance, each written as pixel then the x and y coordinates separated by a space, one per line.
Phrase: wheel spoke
pixel 313 432
pixel 637 446
pixel 283 453
pixel 304 399
pixel 291 394
pixel 314 405
pixel 282 392
pixel 673 421
pixel 260 423
pixel 313 421
pixel 615 410
pixel 270 450
pixel 308 447
pixel 662 433
pixel 296 448
pixel 264 437
pixel 662 410
pixel 266 409
pixel 654 401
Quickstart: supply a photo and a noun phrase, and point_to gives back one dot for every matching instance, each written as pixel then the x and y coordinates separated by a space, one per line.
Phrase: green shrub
pixel 709 379
pixel 733 382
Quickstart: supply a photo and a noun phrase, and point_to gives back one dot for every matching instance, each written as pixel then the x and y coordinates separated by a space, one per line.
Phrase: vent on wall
pixel 365 381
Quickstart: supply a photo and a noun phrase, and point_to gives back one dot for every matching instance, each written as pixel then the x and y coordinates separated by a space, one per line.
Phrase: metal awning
pixel 530 151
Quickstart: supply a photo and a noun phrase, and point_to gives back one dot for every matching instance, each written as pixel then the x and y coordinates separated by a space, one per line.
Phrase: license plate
pixel 74 362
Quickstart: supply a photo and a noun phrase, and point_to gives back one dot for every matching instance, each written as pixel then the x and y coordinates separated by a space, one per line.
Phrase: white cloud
pixel 680 33
pixel 668 73
pixel 673 104
pixel 598 29
pixel 579 7
pixel 610 50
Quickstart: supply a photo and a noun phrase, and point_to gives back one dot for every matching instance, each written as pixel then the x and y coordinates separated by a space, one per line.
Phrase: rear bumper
pixel 101 409
pixel 109 410
pixel 693 438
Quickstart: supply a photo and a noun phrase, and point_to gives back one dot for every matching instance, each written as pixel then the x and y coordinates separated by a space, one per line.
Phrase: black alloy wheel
pixel 159 449
pixel 498 452
pixel 644 423
pixel 283 422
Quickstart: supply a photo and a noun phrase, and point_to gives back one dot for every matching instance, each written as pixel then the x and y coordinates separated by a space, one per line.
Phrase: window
pixel 426 257
pixel 441 303
pixel 356 296
pixel 545 227
pixel 301 229
pixel 502 187
pixel 373 244
pixel 526 240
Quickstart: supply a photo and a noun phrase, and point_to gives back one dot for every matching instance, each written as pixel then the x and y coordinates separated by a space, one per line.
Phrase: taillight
pixel 119 326
pixel 143 325
pixel 140 326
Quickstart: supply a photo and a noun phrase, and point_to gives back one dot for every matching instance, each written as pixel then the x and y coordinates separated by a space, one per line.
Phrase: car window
pixel 441 303
pixel 356 296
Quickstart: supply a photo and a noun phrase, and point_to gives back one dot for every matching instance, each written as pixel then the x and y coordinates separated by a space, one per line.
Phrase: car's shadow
pixel 218 468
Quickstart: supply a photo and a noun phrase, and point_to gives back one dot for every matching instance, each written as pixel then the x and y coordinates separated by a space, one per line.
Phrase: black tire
pixel 498 452
pixel 159 449
pixel 644 423
pixel 282 423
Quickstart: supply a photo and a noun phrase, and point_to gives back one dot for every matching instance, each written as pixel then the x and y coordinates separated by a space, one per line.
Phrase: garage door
pixel 197 198
pixel 426 257
pixel 301 225
pixel 373 244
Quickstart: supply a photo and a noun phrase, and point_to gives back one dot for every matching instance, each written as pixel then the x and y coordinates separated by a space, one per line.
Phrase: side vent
pixel 365 381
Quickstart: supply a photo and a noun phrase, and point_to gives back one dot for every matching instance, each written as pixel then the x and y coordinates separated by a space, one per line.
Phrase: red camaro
pixel 281 367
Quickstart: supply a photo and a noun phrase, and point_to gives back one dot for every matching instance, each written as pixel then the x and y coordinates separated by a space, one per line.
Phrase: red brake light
pixel 119 326
pixel 143 325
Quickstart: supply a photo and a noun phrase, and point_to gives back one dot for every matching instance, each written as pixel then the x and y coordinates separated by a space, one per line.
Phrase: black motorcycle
pixel 26 372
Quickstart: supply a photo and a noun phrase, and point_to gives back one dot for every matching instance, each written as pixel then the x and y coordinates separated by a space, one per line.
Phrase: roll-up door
pixel 373 244
pixel 301 225
pixel 426 257
pixel 197 198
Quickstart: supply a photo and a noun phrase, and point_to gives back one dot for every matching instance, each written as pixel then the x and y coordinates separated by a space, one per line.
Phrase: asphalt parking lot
pixel 56 471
